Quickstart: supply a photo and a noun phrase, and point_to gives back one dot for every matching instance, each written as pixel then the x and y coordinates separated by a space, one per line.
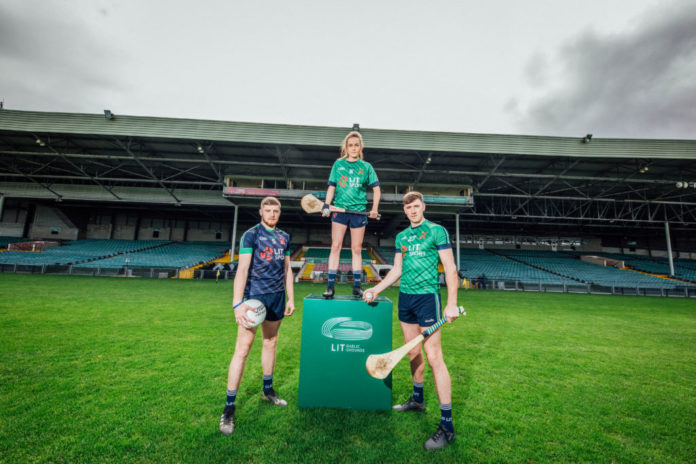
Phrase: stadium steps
pixel 379 257
pixel 371 274
pixel 297 254
pixel 306 274
pixel 189 272
pixel 186 273
pixel 659 276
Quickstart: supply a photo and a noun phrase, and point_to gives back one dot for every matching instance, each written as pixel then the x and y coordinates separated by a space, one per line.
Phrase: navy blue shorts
pixel 274 303
pixel 424 310
pixel 354 221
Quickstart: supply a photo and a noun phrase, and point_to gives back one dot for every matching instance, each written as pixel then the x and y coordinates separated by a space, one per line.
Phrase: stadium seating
pixel 475 262
pixel 107 254
pixel 316 254
pixel 548 267
pixel 172 255
pixel 345 269
pixel 77 252
pixel 324 267
pixel 684 269
pixel 573 268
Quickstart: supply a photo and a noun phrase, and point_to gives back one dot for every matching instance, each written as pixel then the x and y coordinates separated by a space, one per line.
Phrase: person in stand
pixel 263 273
pixel 350 177
pixel 218 268
pixel 419 248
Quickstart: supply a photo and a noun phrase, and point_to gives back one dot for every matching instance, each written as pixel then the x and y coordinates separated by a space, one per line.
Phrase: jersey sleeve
pixel 247 242
pixel 397 244
pixel 372 180
pixel 442 240
pixel 287 245
pixel 333 177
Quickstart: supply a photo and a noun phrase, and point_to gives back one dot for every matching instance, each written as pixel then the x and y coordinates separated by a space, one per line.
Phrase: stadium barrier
pixel 493 283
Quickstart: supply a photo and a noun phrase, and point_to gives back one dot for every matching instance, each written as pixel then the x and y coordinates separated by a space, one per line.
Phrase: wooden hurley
pixel 380 365
pixel 312 204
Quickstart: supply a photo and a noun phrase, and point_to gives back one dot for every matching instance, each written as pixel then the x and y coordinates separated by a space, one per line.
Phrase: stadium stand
pixel 79 251
pixel 386 253
pixel 560 187
pixel 477 262
pixel 128 257
pixel 315 254
pixel 657 266
pixel 307 272
pixel 586 272
pixel 170 255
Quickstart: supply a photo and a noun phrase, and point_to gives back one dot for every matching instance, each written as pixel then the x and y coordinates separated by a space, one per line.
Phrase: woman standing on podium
pixel 350 177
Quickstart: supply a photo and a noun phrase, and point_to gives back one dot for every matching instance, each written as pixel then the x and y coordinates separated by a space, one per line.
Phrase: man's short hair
pixel 410 197
pixel 273 201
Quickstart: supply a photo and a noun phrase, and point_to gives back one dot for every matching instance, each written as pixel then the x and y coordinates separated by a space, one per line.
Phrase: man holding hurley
pixel 418 250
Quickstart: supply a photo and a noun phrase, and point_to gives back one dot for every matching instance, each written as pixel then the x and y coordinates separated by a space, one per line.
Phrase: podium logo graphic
pixel 345 328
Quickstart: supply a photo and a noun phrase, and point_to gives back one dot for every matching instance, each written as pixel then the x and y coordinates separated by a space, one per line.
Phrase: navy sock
pixel 446 417
pixel 267 383
pixel 332 277
pixel 418 392
pixel 357 275
pixel 231 398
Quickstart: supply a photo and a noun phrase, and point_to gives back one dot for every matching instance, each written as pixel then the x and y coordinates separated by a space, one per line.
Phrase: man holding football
pixel 418 250
pixel 264 274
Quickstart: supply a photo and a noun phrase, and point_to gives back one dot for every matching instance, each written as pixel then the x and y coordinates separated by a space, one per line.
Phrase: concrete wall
pixel 208 235
pixel 177 234
pixel 124 232
pixel 50 223
pixel 11 229
pixel 99 231
pixel 13 220
pixel 637 252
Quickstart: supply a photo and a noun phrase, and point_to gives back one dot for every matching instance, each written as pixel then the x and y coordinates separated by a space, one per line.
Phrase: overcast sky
pixel 614 68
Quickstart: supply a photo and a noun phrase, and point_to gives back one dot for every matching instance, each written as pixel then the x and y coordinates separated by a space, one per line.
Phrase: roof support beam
pixel 137 160
pixel 424 166
pixel 85 173
pixel 327 167
pixel 32 179
pixel 281 159
pixel 204 151
pixel 491 172
pixel 558 197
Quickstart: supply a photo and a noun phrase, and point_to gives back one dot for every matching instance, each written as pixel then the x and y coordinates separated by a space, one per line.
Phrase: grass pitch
pixel 134 370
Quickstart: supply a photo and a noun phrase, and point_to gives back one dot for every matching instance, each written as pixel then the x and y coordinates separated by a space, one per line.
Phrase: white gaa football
pixel 257 314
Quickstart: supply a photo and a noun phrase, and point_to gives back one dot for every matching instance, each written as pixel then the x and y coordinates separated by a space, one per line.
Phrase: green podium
pixel 337 337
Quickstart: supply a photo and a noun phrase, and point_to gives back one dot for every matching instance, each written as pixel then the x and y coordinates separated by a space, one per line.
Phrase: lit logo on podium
pixel 345 328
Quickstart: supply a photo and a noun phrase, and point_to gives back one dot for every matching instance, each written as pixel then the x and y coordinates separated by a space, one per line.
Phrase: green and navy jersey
pixel 351 179
pixel 419 248
pixel 267 269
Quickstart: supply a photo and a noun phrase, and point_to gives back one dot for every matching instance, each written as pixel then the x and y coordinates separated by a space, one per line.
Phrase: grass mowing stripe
pixel 134 370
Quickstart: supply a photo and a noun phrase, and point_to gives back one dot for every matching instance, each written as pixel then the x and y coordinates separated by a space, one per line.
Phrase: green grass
pixel 134 370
